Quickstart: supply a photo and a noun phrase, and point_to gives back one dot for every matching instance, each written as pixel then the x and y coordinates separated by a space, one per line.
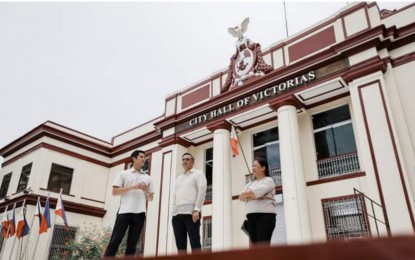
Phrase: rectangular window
pixel 24 177
pixel 5 185
pixel 335 142
pixel 60 178
pixel 207 233
pixel 61 238
pixel 344 218
pixel 267 145
pixel 208 172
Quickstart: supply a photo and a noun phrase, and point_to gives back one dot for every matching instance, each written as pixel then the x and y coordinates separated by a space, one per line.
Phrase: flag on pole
pixel 5 224
pixel 22 225
pixel 12 223
pixel 45 223
pixel 234 142
pixel 38 211
pixel 60 210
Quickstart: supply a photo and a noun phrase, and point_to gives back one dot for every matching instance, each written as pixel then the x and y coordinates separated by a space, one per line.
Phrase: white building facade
pixel 333 118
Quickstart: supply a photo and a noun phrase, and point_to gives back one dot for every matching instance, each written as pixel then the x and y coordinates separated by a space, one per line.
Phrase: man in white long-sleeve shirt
pixel 190 192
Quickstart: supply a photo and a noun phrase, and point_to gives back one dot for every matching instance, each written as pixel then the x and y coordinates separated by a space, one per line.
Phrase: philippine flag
pixel 60 210
pixel 45 223
pixel 234 142
pixel 22 226
pixel 38 212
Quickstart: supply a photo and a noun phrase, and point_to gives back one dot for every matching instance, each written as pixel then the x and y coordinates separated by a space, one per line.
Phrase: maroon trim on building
pixel 56 149
pixel 44 130
pixel 311 44
pixel 219 124
pixel 103 202
pixel 365 68
pixel 395 151
pixel 286 102
pixel 322 94
pixel 403 59
pixel 31 199
pixel 374 158
pixel 366 40
pixel 384 15
pixel 138 141
pixel 112 139
pixel 174 139
pixel 190 89
pixel 337 178
pixel 351 11
pixel 76 131
pixel 196 96
pixel 161 197
pixel 328 100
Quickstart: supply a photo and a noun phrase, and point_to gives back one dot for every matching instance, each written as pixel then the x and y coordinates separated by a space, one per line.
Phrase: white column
pixel 293 183
pixel 221 192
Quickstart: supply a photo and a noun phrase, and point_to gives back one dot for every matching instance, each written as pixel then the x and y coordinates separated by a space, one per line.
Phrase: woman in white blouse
pixel 260 205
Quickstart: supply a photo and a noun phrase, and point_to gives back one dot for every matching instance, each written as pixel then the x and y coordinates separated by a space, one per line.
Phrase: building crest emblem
pixel 247 62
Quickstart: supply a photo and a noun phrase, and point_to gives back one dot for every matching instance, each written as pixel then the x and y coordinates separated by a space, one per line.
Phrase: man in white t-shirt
pixel 135 187
pixel 190 192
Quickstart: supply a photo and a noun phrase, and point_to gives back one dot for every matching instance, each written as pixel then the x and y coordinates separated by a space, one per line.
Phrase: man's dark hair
pixel 136 153
pixel 191 156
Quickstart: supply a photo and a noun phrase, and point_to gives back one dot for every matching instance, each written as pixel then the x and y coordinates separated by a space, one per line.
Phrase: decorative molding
pixel 337 178
pixel 31 199
pixel 219 124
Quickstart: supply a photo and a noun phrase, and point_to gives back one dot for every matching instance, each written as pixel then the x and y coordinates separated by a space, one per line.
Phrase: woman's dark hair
pixel 264 163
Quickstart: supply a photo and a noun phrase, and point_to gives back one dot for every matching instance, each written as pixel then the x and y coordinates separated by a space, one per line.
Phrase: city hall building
pixel 331 108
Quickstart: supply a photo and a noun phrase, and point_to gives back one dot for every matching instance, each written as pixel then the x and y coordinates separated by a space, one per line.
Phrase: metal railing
pixel 208 196
pixel 207 242
pixel 335 166
pixel 372 213
pixel 344 218
pixel 61 238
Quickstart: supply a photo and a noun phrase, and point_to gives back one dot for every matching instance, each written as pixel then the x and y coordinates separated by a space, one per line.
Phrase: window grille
pixel 207 233
pixel 61 239
pixel 345 219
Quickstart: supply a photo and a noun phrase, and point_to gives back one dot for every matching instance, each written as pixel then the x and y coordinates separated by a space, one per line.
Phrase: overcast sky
pixel 104 68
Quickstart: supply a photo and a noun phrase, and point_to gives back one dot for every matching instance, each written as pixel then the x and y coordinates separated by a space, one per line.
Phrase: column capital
pixel 291 102
pixel 221 124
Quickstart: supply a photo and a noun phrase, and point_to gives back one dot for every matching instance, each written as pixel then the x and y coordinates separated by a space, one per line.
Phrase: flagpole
pixel 19 243
pixel 14 222
pixel 4 238
pixel 286 23
pixel 52 225
pixel 30 231
pixel 37 238
pixel 243 153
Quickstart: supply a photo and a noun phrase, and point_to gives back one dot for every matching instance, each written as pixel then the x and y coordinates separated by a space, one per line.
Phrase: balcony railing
pixel 208 196
pixel 207 242
pixel 335 166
